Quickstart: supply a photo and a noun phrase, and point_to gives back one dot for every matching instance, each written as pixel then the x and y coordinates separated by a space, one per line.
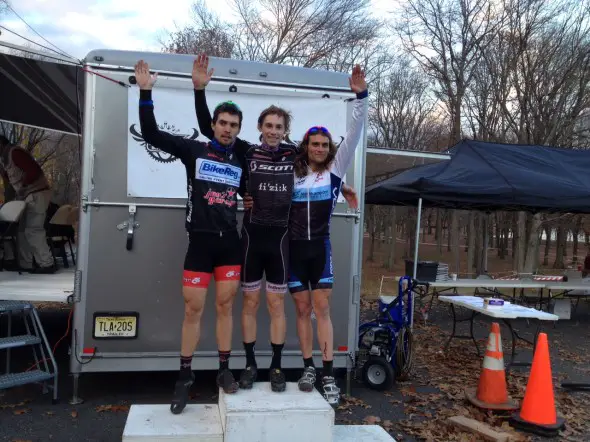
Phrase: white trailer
pixel 131 239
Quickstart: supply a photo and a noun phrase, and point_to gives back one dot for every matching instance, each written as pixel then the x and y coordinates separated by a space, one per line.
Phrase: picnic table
pixel 506 313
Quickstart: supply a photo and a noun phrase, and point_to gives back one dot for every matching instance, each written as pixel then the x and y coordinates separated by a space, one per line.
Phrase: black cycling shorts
pixel 266 251
pixel 310 265
pixel 212 253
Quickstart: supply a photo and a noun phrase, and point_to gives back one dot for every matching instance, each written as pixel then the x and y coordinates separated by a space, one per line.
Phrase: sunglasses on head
pixel 315 130
pixel 231 103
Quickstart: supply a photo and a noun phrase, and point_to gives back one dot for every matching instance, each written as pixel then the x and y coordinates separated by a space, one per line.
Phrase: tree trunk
pixel 520 253
pixel 558 264
pixel 515 231
pixel 478 234
pixel 470 242
pixel 532 245
pixel 450 231
pixel 503 243
pixel 371 229
pixel 547 246
pixel 438 232
pixel 393 227
pixel 455 235
pixel 576 232
pixel 430 223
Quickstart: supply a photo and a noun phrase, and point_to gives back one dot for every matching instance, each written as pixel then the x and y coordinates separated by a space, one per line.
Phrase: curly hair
pixel 301 162
pixel 279 112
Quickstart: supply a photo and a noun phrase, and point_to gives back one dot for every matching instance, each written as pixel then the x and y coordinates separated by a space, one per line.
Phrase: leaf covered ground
pixel 436 388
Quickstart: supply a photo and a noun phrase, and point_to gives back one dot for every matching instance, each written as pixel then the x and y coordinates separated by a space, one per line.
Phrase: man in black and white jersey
pixel 268 178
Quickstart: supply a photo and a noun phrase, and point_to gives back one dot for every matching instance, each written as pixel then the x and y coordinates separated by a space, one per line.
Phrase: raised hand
pixel 144 79
pixel 201 77
pixel 350 196
pixel 357 80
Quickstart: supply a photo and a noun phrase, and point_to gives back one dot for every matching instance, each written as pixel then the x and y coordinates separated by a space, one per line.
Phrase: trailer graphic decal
pixel 157 154
pixel 152 173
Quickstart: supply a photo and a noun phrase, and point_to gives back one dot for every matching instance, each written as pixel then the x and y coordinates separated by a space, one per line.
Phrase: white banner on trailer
pixel 152 173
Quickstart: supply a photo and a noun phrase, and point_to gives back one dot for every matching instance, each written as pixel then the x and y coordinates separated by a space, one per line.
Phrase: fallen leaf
pixel 21 440
pixel 49 413
pixel 74 414
pixel 372 420
pixel 113 408
pixel 21 411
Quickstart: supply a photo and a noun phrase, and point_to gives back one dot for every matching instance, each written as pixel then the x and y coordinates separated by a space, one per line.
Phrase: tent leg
pixel 416 244
pixel 486 243
pixel 419 216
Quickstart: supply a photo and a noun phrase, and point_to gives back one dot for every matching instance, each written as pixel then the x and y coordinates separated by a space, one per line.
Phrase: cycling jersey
pixel 268 173
pixel 213 174
pixel 315 195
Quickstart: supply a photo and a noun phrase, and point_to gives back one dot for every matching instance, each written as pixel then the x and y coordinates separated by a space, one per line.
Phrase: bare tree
pixel 330 34
pixel 206 34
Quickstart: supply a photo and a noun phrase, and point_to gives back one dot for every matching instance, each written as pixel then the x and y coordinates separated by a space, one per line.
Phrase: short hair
pixel 4 141
pixel 278 111
pixel 227 107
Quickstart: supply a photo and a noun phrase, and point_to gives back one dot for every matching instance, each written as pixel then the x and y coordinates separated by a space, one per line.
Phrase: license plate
pixel 111 326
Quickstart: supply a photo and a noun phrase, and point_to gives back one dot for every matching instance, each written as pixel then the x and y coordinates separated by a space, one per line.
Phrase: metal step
pixel 19 341
pixel 15 379
pixel 11 306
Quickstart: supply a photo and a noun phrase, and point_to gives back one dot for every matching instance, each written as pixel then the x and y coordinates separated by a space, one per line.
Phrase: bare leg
pixel 304 327
pixel 249 312
pixel 278 324
pixel 225 295
pixel 321 307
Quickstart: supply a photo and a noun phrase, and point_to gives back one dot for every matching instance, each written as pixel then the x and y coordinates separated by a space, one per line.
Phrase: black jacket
pixel 213 173
pixel 268 174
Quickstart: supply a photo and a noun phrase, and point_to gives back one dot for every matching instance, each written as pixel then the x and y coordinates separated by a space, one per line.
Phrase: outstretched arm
pixel 150 132
pixel 201 77
pixel 359 116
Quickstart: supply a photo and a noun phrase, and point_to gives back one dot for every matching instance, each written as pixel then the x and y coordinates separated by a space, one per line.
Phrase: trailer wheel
pixel 378 373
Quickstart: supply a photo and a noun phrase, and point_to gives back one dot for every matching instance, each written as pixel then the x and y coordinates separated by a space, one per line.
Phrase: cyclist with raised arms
pixel 319 169
pixel 268 177
pixel 213 173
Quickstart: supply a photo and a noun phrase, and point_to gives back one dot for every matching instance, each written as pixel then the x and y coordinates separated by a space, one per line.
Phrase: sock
pixel 276 355
pixel 328 370
pixel 308 362
pixel 250 359
pixel 185 366
pixel 224 359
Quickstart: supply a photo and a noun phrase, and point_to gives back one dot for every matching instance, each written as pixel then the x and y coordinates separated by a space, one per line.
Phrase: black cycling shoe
pixel 226 381
pixel 181 390
pixel 248 377
pixel 278 382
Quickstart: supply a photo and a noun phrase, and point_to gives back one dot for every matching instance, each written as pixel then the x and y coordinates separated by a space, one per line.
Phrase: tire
pixel 378 373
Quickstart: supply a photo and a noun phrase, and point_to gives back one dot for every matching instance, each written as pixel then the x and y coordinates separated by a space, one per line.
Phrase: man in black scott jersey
pixel 213 173
pixel 268 178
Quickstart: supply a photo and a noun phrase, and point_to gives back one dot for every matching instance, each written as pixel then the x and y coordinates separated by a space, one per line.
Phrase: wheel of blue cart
pixel 378 374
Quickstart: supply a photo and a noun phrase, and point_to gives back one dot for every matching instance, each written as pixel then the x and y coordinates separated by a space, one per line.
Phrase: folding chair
pixel 60 233
pixel 10 215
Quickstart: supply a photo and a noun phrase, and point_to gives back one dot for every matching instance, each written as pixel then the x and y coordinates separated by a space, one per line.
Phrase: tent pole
pixel 418 217
pixel 486 243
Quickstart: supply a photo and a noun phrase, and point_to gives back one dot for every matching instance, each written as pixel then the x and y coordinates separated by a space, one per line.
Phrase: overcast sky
pixel 77 27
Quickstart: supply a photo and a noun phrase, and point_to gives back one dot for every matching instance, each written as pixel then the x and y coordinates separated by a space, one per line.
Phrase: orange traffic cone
pixel 491 392
pixel 537 414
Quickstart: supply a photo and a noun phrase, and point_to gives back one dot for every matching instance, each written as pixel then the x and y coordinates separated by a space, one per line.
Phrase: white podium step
pixel 364 433
pixel 155 423
pixel 261 415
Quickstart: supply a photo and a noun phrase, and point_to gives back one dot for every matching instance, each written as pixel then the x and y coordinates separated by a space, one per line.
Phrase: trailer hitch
pixel 130 225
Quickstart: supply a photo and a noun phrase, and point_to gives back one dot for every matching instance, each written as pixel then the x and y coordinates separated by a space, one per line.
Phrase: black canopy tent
pixel 44 94
pixel 492 176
